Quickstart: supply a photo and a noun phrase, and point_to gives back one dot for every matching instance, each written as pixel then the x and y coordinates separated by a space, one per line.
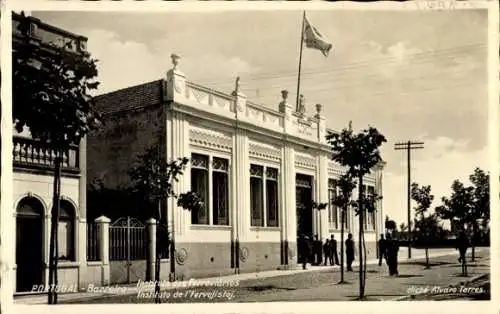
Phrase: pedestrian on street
pixel 462 246
pixel 304 248
pixel 349 251
pixel 392 248
pixel 326 251
pixel 334 257
pixel 317 250
pixel 382 249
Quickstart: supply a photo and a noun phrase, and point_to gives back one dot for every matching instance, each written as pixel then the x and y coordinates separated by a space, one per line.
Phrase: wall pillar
pixel 103 227
pixel 151 267
pixel 322 182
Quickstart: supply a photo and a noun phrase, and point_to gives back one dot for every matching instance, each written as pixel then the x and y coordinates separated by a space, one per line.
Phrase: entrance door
pixel 29 245
pixel 303 197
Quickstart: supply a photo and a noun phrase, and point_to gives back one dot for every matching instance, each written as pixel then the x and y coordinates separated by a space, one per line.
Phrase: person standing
pixel 317 250
pixel 326 251
pixel 349 251
pixel 462 246
pixel 334 257
pixel 304 248
pixel 392 248
pixel 382 249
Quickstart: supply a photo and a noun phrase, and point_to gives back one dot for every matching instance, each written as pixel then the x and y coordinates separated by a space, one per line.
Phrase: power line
pixel 378 61
pixel 409 146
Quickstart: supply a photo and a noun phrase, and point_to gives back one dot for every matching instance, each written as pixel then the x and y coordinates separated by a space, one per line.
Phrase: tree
pixel 50 93
pixel 425 226
pixel 480 204
pixel 343 200
pixel 458 206
pixel 359 153
pixel 390 225
pixel 153 178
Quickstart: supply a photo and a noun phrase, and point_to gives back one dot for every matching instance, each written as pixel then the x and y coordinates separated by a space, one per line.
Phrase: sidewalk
pixel 133 288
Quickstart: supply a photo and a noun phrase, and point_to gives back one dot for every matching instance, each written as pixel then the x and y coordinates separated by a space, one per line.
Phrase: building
pixel 257 169
pixel 33 175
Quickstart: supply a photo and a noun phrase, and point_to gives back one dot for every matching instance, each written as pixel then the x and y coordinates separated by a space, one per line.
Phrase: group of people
pixel 388 250
pixel 318 253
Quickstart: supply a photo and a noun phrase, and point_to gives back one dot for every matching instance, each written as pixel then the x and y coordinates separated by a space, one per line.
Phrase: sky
pixel 414 75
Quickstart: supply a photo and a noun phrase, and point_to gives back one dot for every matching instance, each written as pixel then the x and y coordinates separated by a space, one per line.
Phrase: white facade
pixel 204 121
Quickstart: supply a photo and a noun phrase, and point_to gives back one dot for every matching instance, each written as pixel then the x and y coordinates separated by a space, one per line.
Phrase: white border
pixel 6 217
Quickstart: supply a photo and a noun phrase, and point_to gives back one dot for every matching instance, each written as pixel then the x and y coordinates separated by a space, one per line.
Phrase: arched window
pixel 66 231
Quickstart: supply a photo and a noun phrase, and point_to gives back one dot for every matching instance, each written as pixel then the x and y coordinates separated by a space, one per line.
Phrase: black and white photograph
pixel 250 156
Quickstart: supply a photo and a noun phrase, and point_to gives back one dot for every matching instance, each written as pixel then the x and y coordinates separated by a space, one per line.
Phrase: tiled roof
pixel 138 96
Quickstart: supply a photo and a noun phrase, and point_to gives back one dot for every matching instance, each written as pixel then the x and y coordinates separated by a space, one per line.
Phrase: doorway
pixel 303 197
pixel 29 244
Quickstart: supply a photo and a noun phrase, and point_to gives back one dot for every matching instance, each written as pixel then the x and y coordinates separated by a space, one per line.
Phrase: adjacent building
pixel 33 175
pixel 258 169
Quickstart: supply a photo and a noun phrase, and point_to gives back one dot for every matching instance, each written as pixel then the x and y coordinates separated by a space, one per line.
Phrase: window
pixel 371 216
pixel 333 212
pixel 264 206
pixel 363 191
pixel 199 185
pixel 256 195
pixel 220 191
pixel 272 197
pixel 66 232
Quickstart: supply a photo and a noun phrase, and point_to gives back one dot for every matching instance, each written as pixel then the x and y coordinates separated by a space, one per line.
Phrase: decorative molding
pixel 181 256
pixel 266 152
pixel 244 253
pixel 305 162
pixel 211 141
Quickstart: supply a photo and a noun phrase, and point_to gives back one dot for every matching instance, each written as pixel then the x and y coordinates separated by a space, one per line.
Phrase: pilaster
pixel 322 181
pixel 82 163
pixel 241 184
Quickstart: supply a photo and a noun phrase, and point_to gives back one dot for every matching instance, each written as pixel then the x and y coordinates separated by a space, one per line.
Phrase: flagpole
pixel 300 61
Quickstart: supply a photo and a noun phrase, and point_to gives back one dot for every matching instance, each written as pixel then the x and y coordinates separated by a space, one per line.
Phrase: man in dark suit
pixel 317 245
pixel 334 257
pixel 382 249
pixel 349 251
pixel 326 251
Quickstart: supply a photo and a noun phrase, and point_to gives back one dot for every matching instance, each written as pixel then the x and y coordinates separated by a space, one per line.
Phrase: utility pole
pixel 408 146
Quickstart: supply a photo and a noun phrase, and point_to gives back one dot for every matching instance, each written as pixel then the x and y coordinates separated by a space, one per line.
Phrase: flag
pixel 314 39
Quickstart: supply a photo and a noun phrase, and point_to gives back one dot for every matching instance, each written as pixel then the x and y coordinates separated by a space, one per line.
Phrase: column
pixel 151 225
pixel 103 227
pixel 289 200
pixel 322 182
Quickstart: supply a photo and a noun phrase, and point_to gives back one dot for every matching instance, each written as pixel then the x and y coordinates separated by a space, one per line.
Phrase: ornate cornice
pixel 266 152
pixel 211 141
pixel 305 162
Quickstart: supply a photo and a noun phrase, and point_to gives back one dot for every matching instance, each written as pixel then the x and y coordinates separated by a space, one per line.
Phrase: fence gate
pixel 128 245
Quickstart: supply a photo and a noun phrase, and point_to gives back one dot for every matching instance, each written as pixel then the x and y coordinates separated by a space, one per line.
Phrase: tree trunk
pixel 342 217
pixel 158 256
pixel 473 244
pixel 427 258
pixel 54 247
pixel 360 244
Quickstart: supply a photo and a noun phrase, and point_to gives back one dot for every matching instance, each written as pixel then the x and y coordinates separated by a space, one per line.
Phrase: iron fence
pixel 92 242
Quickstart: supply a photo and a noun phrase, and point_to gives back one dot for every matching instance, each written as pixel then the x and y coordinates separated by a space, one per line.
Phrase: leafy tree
pixel 480 203
pixel 390 225
pixel 426 226
pixel 343 200
pixel 458 206
pixel 153 178
pixel 51 97
pixel 359 153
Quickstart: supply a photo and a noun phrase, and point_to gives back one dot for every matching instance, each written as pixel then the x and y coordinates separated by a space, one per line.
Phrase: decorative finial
pixel 237 84
pixel 175 60
pixel 350 125
pixel 284 94
pixel 318 108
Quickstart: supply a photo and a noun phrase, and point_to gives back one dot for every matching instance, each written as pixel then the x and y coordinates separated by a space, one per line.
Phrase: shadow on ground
pixel 267 287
